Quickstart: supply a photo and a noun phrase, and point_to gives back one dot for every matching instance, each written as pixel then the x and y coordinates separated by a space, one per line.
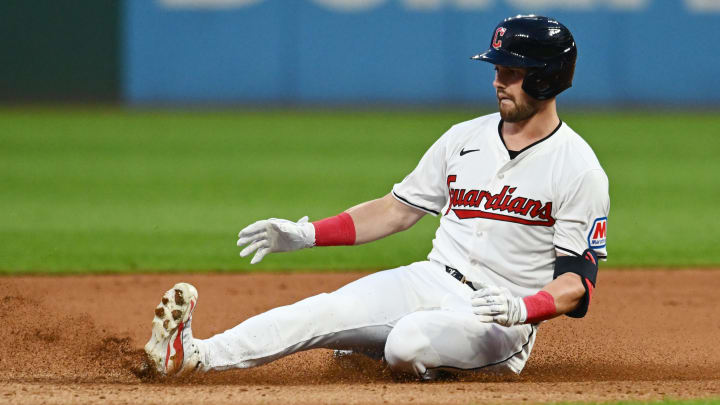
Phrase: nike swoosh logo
pixel 464 152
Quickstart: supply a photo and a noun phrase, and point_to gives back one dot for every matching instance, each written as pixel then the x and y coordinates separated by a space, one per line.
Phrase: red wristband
pixel 540 307
pixel 335 231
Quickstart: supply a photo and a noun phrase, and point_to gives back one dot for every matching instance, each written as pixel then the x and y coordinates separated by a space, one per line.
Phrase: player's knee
pixel 408 349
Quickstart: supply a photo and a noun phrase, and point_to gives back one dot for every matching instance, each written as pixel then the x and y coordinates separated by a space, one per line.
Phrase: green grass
pixel 114 190
pixel 667 401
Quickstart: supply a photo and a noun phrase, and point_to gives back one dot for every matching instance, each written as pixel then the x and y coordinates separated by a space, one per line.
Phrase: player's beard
pixel 517 112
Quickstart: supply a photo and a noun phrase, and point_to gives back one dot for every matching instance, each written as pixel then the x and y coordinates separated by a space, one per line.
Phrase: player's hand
pixel 497 304
pixel 275 235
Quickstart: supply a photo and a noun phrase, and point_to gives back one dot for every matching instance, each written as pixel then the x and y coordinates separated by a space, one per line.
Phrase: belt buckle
pixel 455 273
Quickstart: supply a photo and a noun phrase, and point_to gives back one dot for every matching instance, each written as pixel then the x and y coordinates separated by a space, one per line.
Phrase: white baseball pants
pixel 417 316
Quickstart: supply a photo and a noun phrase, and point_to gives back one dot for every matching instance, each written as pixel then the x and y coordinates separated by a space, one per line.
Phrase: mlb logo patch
pixel 598 232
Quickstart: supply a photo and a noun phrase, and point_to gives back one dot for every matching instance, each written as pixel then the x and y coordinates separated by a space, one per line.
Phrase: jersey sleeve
pixel 582 219
pixel 425 188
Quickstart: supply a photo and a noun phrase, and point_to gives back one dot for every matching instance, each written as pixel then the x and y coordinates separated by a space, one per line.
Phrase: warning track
pixel 649 335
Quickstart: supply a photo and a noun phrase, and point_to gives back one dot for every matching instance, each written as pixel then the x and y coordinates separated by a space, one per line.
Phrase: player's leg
pixel 423 342
pixel 358 316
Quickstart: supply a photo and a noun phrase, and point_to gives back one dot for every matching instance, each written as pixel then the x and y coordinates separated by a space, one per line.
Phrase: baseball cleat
pixel 171 348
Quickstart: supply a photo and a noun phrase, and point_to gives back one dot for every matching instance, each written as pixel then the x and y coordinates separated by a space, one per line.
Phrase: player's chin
pixel 511 112
pixel 508 110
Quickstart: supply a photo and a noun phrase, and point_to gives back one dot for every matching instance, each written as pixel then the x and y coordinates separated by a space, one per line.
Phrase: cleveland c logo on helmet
pixel 497 42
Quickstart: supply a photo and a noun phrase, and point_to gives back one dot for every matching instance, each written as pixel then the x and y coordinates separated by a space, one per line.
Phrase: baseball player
pixel 523 205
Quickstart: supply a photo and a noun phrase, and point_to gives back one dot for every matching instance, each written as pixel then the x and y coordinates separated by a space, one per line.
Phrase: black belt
pixel 459 276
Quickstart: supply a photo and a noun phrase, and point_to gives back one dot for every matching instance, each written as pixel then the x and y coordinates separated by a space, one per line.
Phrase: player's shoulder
pixel 483 122
pixel 485 125
pixel 576 151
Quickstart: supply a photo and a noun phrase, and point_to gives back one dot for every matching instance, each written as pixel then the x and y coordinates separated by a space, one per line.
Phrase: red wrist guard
pixel 540 307
pixel 335 231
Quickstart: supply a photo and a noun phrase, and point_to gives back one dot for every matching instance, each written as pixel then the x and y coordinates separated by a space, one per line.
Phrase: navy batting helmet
pixel 542 45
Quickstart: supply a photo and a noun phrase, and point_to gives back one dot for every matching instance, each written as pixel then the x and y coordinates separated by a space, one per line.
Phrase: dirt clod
pixel 179 300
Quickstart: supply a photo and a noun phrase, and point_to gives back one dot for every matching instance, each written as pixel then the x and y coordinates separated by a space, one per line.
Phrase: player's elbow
pixel 575 276
pixel 570 293
pixel 402 224
pixel 577 300
pixel 581 292
pixel 576 289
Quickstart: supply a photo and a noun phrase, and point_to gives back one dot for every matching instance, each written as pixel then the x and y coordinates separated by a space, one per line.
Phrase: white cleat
pixel 171 348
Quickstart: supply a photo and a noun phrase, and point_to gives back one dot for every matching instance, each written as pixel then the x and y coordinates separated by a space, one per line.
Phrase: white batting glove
pixel 497 304
pixel 276 235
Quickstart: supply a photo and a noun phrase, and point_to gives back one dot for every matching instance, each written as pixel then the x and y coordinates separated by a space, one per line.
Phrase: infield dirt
pixel 649 335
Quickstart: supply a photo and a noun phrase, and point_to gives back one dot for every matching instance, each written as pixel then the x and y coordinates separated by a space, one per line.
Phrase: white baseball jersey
pixel 504 220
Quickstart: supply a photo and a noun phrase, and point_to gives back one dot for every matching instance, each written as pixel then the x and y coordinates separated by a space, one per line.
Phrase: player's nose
pixel 497 82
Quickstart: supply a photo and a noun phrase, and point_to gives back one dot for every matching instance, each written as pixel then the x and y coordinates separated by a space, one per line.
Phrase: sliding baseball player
pixel 523 205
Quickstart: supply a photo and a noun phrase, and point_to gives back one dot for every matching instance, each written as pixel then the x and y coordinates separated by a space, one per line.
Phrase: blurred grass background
pixel 116 190
pixel 666 401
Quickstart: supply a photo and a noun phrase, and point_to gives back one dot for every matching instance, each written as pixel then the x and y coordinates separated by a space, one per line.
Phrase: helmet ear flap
pixel 548 81
pixel 536 84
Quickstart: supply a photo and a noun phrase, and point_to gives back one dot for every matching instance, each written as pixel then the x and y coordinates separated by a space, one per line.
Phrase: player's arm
pixel 383 217
pixel 426 186
pixel 568 294
pixel 362 223
pixel 581 222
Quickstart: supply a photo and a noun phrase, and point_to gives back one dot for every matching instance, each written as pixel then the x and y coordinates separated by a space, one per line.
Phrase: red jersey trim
pixel 466 214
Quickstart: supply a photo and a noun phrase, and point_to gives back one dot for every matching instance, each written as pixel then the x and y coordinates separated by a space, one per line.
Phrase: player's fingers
pixel 485 300
pixel 488 310
pixel 477 302
pixel 479 285
pixel 501 319
pixel 491 303
pixel 252 238
pixel 483 313
pixel 484 318
pixel 484 292
pixel 482 305
pixel 259 255
pixel 480 294
pixel 252 229
pixel 254 246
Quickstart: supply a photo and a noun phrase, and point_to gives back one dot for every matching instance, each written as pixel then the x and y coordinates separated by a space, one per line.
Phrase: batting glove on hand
pixel 276 235
pixel 497 304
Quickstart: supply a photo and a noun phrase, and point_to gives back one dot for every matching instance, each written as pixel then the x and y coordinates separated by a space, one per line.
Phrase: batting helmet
pixel 542 45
